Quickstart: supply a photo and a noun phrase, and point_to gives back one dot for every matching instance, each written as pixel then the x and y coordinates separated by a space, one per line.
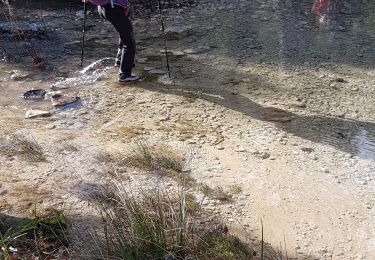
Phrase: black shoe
pixel 128 78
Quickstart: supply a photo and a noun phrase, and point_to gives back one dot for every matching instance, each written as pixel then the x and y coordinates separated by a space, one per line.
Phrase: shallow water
pixel 289 33
pixel 285 34
pixel 88 75
pixel 289 36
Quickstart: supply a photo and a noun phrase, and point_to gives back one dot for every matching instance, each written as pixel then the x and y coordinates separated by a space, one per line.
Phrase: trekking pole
pixel 165 39
pixel 83 29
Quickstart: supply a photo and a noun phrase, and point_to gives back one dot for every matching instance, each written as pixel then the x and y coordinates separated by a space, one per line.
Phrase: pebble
pixel 129 98
pixel 265 155
pixel 165 118
pixel 50 126
pixel 297 104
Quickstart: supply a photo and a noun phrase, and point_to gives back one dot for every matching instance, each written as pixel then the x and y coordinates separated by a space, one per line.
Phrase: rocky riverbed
pixel 264 96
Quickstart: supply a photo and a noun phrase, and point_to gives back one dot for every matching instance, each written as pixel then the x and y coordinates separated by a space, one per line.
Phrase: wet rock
pixel 142 60
pixel 34 113
pixel 18 75
pixel 157 72
pixel 80 14
pixel 29 28
pixel 148 68
pixel 129 98
pixel 177 32
pixel 35 94
pixel 340 80
pixel 62 100
pixel 178 53
pixel 165 79
pixel 49 95
pixel 197 50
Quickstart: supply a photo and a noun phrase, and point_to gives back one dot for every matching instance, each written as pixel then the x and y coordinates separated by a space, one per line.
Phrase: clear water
pixel 88 75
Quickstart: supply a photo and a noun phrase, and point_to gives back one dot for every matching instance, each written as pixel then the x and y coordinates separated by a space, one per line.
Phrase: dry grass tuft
pixel 217 193
pixel 23 145
pixel 130 132
pixel 235 189
pixel 160 159
pixel 161 225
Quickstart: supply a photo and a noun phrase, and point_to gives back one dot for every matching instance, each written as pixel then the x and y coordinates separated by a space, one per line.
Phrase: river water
pixel 271 61
pixel 284 34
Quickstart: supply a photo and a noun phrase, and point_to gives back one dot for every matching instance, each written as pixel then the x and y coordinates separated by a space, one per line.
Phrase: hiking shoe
pixel 128 79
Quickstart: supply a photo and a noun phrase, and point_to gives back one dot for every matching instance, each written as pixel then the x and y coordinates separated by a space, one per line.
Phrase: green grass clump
pixel 42 236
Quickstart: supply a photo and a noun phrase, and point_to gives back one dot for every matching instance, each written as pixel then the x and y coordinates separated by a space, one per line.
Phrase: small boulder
pixel 33 113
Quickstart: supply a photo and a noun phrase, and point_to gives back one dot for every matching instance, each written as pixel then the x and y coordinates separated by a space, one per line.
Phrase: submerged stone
pixel 197 50
pixel 157 72
pixel 59 100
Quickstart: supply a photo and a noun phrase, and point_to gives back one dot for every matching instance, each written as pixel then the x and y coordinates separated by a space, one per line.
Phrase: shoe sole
pixel 128 82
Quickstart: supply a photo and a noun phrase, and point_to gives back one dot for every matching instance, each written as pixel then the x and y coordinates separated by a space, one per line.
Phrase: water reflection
pixel 364 143
pixel 288 32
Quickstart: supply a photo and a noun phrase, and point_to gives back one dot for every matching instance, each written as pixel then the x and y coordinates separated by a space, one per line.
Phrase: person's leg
pixel 119 53
pixel 124 27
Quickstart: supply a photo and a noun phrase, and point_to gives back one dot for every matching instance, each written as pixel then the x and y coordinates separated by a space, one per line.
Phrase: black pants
pixel 122 24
